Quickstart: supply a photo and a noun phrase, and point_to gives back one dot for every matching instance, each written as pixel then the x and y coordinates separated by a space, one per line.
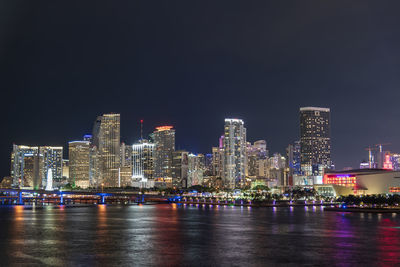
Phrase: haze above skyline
pixel 192 64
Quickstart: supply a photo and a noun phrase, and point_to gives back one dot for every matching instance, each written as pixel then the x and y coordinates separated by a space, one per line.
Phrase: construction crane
pixel 381 146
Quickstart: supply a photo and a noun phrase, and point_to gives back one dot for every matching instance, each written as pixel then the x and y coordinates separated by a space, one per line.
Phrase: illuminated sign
pixel 164 128
pixel 348 180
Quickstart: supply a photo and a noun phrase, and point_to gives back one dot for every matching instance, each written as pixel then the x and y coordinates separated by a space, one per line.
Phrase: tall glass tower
pixel 315 140
pixel 106 137
pixel 234 143
pixel 164 140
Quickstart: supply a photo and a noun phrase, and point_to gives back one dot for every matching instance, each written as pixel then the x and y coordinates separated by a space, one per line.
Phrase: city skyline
pixel 139 133
pixel 200 69
pixel 103 160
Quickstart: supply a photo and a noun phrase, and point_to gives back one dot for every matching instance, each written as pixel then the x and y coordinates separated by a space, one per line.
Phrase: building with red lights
pixel 365 181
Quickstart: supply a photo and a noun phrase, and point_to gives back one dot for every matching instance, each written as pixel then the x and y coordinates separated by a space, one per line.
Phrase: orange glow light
pixel 164 128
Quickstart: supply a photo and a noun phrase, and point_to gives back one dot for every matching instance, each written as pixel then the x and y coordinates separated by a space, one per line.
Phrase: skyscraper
pixel 52 166
pixel 106 137
pixel 25 170
pixel 180 161
pixel 30 166
pixel 143 164
pixel 257 158
pixel 195 170
pixel 234 142
pixel 315 140
pixel 164 140
pixel 79 163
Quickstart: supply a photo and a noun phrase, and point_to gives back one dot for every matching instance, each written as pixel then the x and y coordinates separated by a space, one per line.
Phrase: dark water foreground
pixel 170 235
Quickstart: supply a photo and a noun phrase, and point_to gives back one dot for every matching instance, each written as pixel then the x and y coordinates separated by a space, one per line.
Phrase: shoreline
pixel 362 210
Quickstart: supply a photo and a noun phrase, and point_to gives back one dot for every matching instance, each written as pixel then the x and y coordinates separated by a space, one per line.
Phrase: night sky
pixel 193 63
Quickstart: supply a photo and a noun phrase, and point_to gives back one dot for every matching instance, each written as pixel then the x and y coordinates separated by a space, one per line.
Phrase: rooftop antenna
pixel 141 130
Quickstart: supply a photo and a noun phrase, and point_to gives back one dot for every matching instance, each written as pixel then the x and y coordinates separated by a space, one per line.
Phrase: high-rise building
pixel 79 163
pixel 164 140
pixel 315 140
pixel 195 170
pixel 256 158
pixel 234 142
pixel 277 169
pixel 143 164
pixel 106 137
pixel 65 171
pixel 180 161
pixel 208 167
pixel 126 155
pixel 36 167
pixel 52 166
pixel 94 167
pixel 25 167
pixel 217 161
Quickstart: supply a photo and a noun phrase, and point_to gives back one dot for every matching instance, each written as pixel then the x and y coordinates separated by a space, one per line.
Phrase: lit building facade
pixel 180 161
pixel 164 140
pixel 94 167
pixel 79 163
pixel 217 161
pixel 365 181
pixel 234 144
pixel 257 155
pixel 32 167
pixel 65 170
pixel 143 164
pixel 106 137
pixel 52 166
pixel 25 168
pixel 315 140
pixel 195 170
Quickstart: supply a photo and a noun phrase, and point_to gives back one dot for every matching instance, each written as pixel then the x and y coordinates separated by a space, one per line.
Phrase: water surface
pixel 170 235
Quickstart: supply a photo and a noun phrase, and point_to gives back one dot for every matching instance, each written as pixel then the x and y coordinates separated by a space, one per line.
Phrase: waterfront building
pixel 35 167
pixel 106 137
pixel 180 161
pixel 6 182
pixel 296 158
pixel 217 161
pixel 234 144
pixel 208 160
pixel 143 164
pixel 363 181
pixel 126 155
pixel 315 141
pixel 65 169
pixel 79 163
pixel 125 176
pixel 257 155
pixel 290 163
pixel 52 166
pixel 164 140
pixel 277 169
pixel 25 167
pixel 94 167
pixel 395 158
pixel 195 170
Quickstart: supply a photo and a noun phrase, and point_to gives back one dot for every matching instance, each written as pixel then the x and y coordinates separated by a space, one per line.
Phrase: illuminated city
pixel 207 134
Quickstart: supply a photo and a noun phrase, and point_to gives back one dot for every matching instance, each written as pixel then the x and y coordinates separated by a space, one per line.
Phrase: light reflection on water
pixel 196 235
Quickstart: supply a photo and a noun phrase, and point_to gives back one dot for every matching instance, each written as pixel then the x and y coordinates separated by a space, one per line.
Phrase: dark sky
pixel 193 63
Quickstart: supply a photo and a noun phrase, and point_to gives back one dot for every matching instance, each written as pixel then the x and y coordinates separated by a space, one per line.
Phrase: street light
pixel 102 187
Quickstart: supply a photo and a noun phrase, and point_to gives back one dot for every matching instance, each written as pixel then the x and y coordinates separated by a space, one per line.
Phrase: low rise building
pixel 364 181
